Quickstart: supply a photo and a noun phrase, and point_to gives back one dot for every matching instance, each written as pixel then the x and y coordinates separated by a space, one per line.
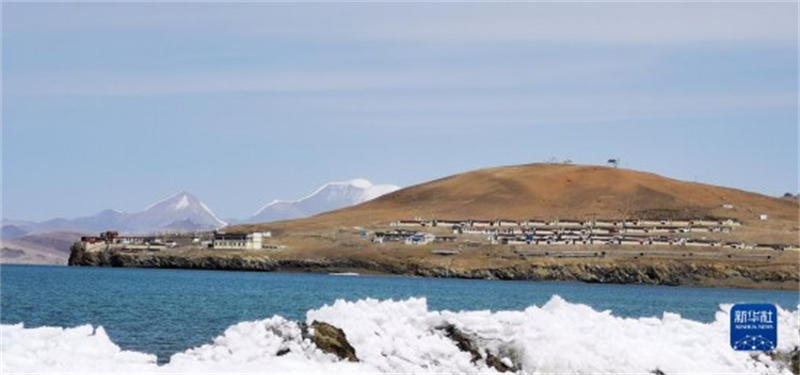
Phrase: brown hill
pixel 334 242
pixel 548 191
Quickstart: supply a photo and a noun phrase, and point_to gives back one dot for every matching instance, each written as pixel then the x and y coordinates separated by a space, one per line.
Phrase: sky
pixel 117 105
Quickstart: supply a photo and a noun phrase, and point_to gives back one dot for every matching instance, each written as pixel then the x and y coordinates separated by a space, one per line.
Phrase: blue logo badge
pixel 754 327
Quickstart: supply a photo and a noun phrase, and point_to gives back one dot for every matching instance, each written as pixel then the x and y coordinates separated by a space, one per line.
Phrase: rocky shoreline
pixel 668 273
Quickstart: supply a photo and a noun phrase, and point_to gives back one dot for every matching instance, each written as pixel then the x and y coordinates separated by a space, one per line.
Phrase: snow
pixel 270 204
pixel 315 193
pixel 334 194
pixel 377 191
pixel 180 206
pixel 160 215
pixel 253 347
pixel 59 350
pixel 162 201
pixel 219 221
pixel 359 183
pixel 182 203
pixel 405 337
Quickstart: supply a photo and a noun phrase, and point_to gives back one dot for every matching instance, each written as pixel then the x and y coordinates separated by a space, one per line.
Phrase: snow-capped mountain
pixel 179 212
pixel 183 212
pixel 328 197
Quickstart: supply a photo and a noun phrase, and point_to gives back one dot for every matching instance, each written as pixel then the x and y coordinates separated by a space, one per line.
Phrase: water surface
pixel 167 311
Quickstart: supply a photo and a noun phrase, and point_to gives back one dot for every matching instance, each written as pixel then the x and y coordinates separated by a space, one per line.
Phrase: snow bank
pixel 71 350
pixel 274 345
pixel 405 337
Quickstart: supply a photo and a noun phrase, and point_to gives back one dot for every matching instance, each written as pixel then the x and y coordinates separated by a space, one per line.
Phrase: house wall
pixel 229 244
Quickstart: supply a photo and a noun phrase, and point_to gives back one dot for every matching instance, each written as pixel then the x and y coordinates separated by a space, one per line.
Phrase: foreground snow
pixel 405 337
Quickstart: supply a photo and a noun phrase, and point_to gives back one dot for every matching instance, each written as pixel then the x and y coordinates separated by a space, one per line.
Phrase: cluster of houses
pixel 114 240
pixel 576 239
pixel 220 240
pixel 410 237
pixel 667 232
pixel 667 224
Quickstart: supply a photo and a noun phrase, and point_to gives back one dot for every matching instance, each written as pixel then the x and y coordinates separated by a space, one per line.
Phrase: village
pixel 446 233
pixel 112 240
pixel 663 232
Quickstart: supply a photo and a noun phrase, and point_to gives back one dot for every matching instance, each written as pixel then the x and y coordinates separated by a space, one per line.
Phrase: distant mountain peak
pixel 178 200
pixel 183 211
pixel 357 182
pixel 180 211
pixel 328 197
pixel 179 207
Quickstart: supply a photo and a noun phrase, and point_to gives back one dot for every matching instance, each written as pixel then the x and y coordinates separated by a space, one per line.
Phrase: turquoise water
pixel 167 311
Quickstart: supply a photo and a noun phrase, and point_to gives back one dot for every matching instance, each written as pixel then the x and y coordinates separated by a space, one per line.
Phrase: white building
pixel 240 241
pixel 420 239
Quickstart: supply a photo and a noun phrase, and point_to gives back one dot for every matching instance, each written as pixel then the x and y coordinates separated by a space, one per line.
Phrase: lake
pixel 163 311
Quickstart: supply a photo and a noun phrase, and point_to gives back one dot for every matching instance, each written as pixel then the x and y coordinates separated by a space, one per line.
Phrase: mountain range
pixel 48 242
pixel 179 212
pixel 183 212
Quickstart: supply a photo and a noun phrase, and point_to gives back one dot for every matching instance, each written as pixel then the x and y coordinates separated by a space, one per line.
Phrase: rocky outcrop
pixel 467 343
pixel 671 273
pixel 330 340
pixel 78 256
pixel 790 360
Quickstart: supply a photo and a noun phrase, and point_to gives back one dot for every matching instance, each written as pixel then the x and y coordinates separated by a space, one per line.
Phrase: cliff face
pixel 672 273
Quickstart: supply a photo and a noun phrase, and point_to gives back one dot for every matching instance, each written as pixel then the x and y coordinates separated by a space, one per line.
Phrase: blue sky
pixel 116 105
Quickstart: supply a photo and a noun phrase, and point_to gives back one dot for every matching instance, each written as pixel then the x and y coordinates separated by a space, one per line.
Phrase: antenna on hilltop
pixel 614 162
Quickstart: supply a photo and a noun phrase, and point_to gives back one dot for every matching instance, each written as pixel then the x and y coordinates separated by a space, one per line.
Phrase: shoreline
pixel 666 273
pixel 370 273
